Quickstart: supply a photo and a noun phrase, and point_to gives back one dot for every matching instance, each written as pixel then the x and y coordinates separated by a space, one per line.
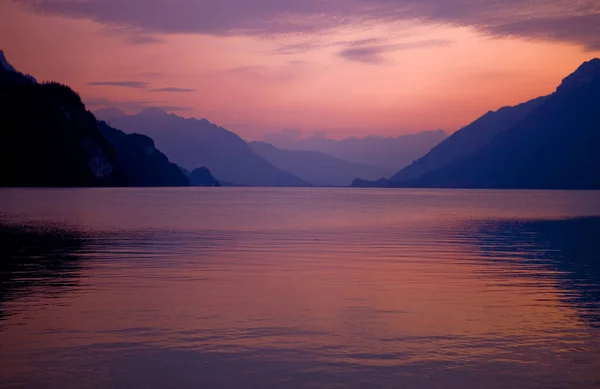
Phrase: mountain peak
pixel 4 63
pixel 588 72
pixel 153 112
pixel 8 67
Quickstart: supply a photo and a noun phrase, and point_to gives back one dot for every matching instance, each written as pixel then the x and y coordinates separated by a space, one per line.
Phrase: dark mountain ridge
pixel 49 138
pixel 468 139
pixel 553 145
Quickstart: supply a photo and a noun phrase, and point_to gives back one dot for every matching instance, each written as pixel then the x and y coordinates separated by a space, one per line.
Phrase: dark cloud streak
pixel 373 54
pixel 124 84
pixel 173 90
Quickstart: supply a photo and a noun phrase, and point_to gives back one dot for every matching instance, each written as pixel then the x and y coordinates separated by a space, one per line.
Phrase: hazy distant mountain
pixel 468 140
pixel 108 114
pixel 141 162
pixel 316 167
pixel 194 143
pixel 554 146
pixel 48 138
pixel 387 153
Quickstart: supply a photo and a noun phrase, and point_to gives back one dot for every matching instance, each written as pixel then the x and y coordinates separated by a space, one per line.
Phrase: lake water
pixel 299 288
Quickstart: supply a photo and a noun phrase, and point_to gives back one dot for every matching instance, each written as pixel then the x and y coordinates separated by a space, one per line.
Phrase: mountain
pixel 203 177
pixel 194 143
pixel 390 153
pixel 16 77
pixel 141 162
pixel 48 138
pixel 554 146
pixel 467 140
pixel 108 114
pixel 316 167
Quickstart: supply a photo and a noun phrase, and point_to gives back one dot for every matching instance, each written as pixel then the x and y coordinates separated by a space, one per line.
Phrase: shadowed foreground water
pixel 299 288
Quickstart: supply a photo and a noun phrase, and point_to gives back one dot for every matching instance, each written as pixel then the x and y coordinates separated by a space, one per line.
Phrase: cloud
pixel 297 48
pixel 133 35
pixel 291 71
pixel 172 89
pixel 583 29
pixel 96 103
pixel 373 54
pixel 574 21
pixel 140 39
pixel 124 84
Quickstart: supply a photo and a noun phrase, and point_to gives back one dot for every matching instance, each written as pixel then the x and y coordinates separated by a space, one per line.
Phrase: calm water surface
pixel 299 288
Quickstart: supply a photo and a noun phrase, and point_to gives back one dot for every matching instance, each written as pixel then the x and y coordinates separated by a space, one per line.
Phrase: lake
pixel 299 288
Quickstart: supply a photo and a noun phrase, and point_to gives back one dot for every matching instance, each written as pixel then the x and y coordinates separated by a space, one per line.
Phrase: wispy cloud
pixel 576 21
pixel 142 39
pixel 373 54
pixel 174 90
pixel 124 84
pixel 297 48
pixel 291 71
pixel 96 103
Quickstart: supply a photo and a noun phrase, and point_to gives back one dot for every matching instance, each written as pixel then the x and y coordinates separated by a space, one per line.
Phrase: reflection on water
pixel 296 288
pixel 37 258
pixel 567 250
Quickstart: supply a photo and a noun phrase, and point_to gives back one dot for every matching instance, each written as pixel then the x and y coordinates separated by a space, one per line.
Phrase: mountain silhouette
pixel 203 177
pixel 553 147
pixel 49 138
pixel 547 143
pixel 194 143
pixel 141 162
pixel 389 153
pixel 467 140
pixel 316 167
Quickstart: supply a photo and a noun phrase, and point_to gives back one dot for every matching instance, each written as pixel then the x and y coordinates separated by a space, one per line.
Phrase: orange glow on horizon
pixel 239 83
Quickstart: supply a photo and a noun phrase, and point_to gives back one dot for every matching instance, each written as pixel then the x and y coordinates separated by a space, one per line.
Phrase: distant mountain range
pixel 48 138
pixel 548 143
pixel 194 143
pixel 388 153
pixel 316 167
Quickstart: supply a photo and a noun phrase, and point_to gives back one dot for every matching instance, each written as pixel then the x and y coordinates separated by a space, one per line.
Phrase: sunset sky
pixel 344 67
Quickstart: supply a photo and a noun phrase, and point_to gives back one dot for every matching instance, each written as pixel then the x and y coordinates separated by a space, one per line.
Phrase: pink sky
pixel 394 67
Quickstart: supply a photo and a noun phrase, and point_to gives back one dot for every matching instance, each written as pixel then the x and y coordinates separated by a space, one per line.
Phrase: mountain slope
pixel 142 163
pixel 203 177
pixel 467 140
pixel 48 138
pixel 556 146
pixel 194 143
pixel 390 153
pixel 318 168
